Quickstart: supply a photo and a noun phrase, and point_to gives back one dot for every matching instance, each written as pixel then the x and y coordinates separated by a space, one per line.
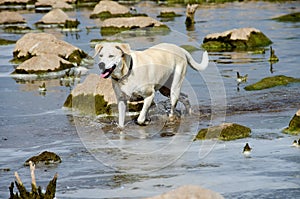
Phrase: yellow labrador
pixel 141 73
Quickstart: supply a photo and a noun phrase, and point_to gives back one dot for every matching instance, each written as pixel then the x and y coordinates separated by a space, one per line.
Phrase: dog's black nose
pixel 101 65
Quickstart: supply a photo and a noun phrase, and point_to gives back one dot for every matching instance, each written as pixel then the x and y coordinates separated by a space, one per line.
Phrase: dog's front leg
pixel 143 114
pixel 122 112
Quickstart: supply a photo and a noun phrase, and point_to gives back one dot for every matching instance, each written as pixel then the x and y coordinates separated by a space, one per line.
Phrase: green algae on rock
pixel 292 17
pixel 269 82
pixel 45 157
pixel 225 131
pixel 294 125
pixel 236 39
pixel 6 42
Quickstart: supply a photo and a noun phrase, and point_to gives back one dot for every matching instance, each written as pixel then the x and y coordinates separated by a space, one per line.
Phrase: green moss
pixel 69 24
pixel 189 48
pixel 293 17
pixel 45 157
pixel 106 15
pixel 76 56
pixel 17 29
pixel 6 42
pixel 269 82
pixel 111 30
pixel 226 131
pixel 170 14
pixel 294 126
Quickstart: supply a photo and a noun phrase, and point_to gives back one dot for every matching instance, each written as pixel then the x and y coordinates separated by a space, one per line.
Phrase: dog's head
pixel 111 57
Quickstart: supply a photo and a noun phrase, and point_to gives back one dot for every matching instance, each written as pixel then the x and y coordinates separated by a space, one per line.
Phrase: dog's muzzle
pixel 106 72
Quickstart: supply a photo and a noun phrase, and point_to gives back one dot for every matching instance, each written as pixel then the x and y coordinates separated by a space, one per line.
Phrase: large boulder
pixel 7 17
pixel 294 125
pixel 59 17
pixel 189 191
pixel 269 82
pixel 116 25
pixel 225 131
pixel 34 44
pixel 94 96
pixel 241 39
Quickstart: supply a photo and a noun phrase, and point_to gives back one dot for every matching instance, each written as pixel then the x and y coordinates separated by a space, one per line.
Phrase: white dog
pixel 141 73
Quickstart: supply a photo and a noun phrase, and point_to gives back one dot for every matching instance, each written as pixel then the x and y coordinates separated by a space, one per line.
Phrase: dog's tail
pixel 194 64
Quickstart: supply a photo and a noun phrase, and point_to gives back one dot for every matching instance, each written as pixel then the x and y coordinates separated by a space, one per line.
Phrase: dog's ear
pixel 125 48
pixel 98 48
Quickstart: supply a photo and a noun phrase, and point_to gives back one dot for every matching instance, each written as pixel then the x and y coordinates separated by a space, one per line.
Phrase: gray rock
pixel 188 192
pixel 7 17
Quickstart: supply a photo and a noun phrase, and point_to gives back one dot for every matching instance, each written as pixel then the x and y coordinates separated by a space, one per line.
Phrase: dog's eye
pixel 111 56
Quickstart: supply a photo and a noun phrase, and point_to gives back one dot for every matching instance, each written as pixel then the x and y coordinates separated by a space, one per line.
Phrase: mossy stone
pixel 225 131
pixel 106 15
pixel 17 29
pixel 69 24
pixel 168 14
pixel 293 17
pixel 294 126
pixel 89 104
pixel 269 82
pixel 45 157
pixel 111 30
pixel 189 48
pixel 76 56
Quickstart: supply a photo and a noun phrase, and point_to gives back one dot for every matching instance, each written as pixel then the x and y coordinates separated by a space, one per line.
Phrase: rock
pixel 52 4
pixel 116 25
pixel 293 17
pixel 43 63
pixel 240 39
pixel 34 44
pixel 225 131
pixel 168 14
pixel 6 42
pixel 15 3
pixel 56 16
pixel 108 9
pixel 269 82
pixel 188 192
pixel 8 17
pixel 294 125
pixel 94 96
pixel 45 157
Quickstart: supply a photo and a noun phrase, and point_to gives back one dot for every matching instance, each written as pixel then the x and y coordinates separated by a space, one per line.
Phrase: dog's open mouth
pixel 106 73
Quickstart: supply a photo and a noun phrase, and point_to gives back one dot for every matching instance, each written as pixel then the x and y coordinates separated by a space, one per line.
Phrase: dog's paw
pixel 145 123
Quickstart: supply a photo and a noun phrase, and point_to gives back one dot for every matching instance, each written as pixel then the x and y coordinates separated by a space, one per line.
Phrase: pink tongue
pixel 104 75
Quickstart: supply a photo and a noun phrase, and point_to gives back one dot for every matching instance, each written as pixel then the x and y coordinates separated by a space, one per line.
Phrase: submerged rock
pixel 294 125
pixel 189 191
pixel 8 17
pixel 269 82
pixel 240 39
pixel 293 17
pixel 34 44
pixel 45 157
pixel 116 25
pixel 94 96
pixel 225 131
pixel 6 42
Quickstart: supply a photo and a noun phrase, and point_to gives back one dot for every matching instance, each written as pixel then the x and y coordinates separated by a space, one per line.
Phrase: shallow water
pixel 99 161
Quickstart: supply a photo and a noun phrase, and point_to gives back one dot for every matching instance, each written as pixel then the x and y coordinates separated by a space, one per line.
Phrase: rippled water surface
pixel 100 161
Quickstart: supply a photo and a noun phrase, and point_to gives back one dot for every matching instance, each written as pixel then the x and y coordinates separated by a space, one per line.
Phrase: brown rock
pixel 188 192
pixel 109 6
pixel 43 63
pixel 53 3
pixel 55 16
pixel 33 44
pixel 7 17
